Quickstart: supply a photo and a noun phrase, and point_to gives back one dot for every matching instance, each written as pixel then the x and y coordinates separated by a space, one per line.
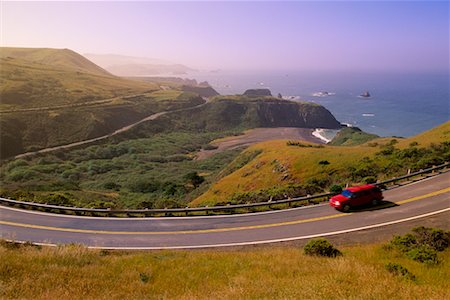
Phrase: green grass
pixel 28 131
pixel 267 272
pixel 60 58
pixel 351 136
pixel 49 77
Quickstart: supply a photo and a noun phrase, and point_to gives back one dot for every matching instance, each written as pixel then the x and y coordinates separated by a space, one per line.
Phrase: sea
pixel 401 104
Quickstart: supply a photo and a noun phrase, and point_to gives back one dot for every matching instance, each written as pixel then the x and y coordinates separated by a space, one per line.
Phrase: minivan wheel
pixel 375 202
pixel 346 208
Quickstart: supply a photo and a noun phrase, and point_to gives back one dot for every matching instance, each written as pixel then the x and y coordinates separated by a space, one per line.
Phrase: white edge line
pixel 199 217
pixel 164 218
pixel 259 242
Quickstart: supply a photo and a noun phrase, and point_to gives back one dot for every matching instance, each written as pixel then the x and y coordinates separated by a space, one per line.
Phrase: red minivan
pixel 357 196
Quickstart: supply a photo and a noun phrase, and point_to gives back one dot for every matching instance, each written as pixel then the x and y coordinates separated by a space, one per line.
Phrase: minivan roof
pixel 361 188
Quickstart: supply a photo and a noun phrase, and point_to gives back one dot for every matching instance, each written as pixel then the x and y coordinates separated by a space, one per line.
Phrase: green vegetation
pixel 351 136
pixel 281 170
pixel 49 77
pixel 422 245
pixel 154 172
pixel 34 130
pixel 399 270
pixel 51 97
pixel 321 247
pixel 265 272
pixel 145 167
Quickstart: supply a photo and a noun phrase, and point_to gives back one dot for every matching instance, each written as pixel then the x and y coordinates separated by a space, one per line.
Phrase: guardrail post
pixel 237 208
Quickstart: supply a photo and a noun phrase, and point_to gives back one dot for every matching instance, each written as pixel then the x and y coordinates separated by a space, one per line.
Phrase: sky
pixel 295 35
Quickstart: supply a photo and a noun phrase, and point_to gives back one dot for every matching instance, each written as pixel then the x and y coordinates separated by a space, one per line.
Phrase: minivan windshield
pixel 347 193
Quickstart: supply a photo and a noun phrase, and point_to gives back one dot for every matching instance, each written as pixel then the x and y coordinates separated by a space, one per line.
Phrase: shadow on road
pixel 382 205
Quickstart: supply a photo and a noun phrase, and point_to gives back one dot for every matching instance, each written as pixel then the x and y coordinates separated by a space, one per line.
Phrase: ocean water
pixel 401 104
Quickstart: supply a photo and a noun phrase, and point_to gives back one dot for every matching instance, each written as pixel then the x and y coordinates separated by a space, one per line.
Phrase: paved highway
pixel 410 202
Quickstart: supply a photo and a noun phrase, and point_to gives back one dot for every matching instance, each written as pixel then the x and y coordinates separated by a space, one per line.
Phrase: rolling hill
pixel 48 77
pixel 281 168
pixel 56 96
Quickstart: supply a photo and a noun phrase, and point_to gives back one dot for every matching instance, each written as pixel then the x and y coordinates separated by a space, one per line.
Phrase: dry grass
pixel 262 273
pixel 277 159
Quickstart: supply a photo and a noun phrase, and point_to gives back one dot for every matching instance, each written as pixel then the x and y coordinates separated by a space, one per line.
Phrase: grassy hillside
pixel 49 77
pixel 145 166
pixel 59 58
pixel 351 136
pixel 281 168
pixel 51 97
pixel 33 130
pixel 269 272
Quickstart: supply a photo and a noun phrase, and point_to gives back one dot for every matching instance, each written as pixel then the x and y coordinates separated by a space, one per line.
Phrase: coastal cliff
pixel 230 112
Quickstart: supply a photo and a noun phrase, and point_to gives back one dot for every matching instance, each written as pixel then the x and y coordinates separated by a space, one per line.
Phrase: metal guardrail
pixel 186 211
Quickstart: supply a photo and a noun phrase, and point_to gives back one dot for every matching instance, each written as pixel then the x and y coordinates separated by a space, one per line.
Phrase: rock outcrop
pixel 203 90
pixel 257 92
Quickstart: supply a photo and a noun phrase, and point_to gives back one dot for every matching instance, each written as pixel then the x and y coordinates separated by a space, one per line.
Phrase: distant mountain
pixel 137 66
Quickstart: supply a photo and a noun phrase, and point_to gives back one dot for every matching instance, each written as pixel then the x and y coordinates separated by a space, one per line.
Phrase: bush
pixel 336 188
pixel 370 179
pixel 111 186
pixel 144 186
pixel 145 278
pixel 321 247
pixel 403 243
pixel 437 239
pixel 324 162
pixel 58 199
pixel 194 179
pixel 424 254
pixel 399 270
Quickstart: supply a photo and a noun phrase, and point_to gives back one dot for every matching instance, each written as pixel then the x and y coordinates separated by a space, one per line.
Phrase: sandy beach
pixel 258 135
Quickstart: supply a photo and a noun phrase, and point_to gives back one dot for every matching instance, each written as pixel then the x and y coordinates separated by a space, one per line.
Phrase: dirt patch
pixel 258 135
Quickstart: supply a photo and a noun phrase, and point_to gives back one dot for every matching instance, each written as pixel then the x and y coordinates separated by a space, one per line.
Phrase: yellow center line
pixel 207 230
pixel 424 196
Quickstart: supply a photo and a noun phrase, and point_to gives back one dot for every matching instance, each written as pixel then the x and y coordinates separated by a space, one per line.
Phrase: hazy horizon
pixel 300 36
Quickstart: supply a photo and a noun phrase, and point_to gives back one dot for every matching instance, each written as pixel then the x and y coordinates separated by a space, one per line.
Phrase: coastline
pixel 326 135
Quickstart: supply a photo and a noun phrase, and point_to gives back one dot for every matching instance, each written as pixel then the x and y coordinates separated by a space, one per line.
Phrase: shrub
pixel 111 186
pixel 194 179
pixel 145 278
pixel 399 270
pixel 424 254
pixel 58 199
pixel 403 243
pixel 387 150
pixel 437 239
pixel 144 186
pixel 324 162
pixel 336 188
pixel 321 247
pixel 370 179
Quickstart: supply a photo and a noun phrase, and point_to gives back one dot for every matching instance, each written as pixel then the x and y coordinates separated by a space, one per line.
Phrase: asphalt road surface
pixel 409 203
